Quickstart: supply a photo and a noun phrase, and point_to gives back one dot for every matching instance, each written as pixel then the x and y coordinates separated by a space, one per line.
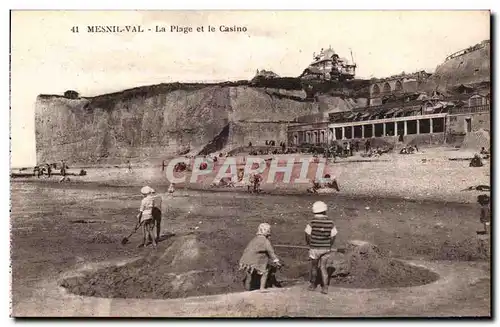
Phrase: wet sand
pixel 46 241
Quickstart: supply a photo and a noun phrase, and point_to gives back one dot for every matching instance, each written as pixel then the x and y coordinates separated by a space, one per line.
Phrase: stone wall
pixel 456 124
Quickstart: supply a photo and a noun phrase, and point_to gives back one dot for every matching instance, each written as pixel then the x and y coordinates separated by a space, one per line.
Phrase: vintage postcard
pixel 250 164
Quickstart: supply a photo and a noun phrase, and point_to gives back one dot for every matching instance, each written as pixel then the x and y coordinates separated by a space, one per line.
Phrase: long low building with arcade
pixel 436 118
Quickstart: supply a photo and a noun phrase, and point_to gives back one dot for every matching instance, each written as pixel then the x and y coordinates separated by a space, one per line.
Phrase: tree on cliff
pixel 70 94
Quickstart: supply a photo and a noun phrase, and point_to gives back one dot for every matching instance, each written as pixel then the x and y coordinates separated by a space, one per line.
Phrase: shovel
pixel 125 239
pixel 340 250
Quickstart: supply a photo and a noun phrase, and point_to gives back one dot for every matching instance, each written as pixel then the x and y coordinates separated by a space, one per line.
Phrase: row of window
pixel 421 126
pixel 386 88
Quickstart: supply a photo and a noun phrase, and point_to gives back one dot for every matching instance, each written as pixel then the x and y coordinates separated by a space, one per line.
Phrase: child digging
pixel 256 257
pixel 145 216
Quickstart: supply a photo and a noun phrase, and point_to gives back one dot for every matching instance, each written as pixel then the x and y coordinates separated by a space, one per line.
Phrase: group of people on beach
pixel 260 260
pixel 46 169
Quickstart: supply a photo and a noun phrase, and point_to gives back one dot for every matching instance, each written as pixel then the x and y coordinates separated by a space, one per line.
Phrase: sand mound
pixel 187 267
pixel 101 238
pixel 206 263
pixel 477 140
pixel 476 248
pixel 366 266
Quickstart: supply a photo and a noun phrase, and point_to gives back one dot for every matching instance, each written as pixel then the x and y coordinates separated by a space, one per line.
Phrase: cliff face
pixel 151 123
pixel 472 67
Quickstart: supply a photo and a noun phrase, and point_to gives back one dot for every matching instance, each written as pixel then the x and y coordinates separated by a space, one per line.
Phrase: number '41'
pixel 74 29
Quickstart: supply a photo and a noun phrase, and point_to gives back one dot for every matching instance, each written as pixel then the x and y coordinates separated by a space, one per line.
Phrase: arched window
pixel 475 100
pixel 428 106
pixel 398 86
pixel 375 90
pixel 387 88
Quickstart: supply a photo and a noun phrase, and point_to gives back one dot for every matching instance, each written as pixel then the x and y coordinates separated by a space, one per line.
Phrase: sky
pixel 48 58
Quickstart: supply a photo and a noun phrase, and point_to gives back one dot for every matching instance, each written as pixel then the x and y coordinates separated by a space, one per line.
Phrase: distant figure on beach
pixel 163 165
pixel 485 214
pixel 253 185
pixel 476 161
pixel 49 170
pixel 129 166
pixel 368 146
pixel 37 171
pixel 156 212
pixel 63 168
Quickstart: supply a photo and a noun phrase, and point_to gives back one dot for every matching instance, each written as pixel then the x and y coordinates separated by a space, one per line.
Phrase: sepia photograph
pixel 250 164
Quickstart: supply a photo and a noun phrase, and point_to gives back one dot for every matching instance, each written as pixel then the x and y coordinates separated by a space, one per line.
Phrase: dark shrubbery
pixel 70 94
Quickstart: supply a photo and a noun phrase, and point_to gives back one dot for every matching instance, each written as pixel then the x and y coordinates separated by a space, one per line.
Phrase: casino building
pixel 396 109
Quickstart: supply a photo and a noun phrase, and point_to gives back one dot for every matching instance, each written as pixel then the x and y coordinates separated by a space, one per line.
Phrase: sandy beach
pixel 433 176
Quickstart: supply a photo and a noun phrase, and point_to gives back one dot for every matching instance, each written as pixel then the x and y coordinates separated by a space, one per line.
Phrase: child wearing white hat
pixel 320 236
pixel 145 215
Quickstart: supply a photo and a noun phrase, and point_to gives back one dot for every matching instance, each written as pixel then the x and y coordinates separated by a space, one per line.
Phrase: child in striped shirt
pixel 320 236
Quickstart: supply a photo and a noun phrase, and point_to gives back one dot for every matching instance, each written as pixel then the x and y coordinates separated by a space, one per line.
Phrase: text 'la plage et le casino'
pixel 158 29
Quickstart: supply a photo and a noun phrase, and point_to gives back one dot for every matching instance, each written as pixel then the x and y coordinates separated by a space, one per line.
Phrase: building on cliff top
pixel 411 108
pixel 469 49
pixel 266 74
pixel 329 66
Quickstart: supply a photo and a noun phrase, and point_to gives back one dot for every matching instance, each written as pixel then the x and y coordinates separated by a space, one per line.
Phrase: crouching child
pixel 259 258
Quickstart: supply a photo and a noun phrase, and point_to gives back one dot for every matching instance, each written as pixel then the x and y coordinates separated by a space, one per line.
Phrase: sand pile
pixel 365 266
pixel 102 238
pixel 191 265
pixel 206 263
pixel 477 248
pixel 477 140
